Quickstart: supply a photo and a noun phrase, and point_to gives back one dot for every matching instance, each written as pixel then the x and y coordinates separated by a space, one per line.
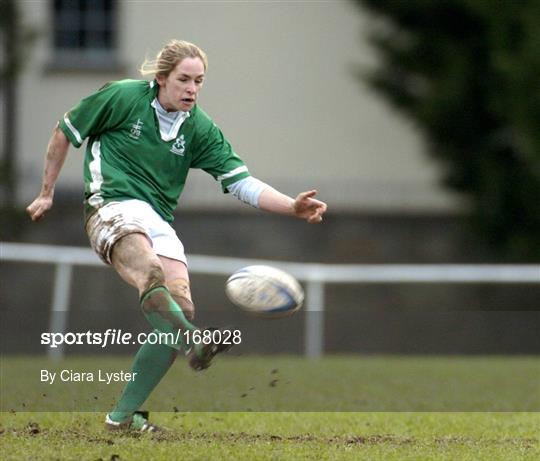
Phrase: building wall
pixel 282 86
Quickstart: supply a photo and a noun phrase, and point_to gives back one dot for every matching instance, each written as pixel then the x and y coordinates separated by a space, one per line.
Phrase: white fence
pixel 315 276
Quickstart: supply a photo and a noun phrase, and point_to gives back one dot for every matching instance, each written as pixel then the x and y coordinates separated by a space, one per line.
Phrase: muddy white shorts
pixel 117 219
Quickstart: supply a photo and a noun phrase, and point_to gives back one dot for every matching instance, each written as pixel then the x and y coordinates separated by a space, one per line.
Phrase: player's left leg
pixel 151 363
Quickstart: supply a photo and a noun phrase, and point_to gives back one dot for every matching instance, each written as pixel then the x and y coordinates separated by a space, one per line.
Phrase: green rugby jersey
pixel 126 157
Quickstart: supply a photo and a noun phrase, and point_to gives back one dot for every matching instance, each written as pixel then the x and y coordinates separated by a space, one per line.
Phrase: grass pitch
pixel 277 436
pixel 288 435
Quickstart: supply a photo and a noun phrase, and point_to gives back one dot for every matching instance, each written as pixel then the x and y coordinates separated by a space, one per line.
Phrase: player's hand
pixel 39 207
pixel 308 208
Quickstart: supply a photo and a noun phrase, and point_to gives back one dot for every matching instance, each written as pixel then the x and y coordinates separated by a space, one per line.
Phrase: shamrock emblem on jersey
pixel 179 146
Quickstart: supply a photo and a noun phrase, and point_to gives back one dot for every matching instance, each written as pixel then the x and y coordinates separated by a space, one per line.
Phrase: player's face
pixel 179 90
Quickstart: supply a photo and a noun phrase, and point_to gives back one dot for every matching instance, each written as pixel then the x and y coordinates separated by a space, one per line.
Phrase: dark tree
pixel 468 73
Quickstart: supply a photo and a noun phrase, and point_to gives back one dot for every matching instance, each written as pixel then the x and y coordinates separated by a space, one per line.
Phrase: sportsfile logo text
pixel 114 337
pixel 103 339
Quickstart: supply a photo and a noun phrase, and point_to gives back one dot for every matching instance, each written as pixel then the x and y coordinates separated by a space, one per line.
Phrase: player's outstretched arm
pixel 304 206
pixel 57 150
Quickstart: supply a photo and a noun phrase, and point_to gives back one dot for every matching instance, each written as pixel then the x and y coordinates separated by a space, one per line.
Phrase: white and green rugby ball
pixel 265 291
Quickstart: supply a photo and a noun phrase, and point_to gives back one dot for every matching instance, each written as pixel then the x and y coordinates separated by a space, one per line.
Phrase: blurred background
pixel 416 121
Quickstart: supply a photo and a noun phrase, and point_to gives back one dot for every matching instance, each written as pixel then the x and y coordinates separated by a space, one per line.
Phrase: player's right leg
pixel 200 354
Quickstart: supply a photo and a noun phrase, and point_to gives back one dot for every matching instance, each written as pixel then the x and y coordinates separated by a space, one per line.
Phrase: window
pixel 84 34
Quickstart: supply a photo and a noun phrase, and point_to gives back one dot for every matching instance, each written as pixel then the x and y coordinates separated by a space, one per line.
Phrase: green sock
pixel 151 363
pixel 161 310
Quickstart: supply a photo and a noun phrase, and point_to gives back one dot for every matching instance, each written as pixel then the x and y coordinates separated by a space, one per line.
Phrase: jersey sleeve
pixel 94 114
pixel 217 157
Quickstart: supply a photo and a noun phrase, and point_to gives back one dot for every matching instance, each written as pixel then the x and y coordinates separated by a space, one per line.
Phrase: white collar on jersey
pixel 169 122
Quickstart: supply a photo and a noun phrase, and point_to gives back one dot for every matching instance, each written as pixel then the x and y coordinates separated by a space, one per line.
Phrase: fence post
pixel 314 326
pixel 60 306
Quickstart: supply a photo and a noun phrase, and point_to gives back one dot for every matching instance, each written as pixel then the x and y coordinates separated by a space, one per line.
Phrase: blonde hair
pixel 169 57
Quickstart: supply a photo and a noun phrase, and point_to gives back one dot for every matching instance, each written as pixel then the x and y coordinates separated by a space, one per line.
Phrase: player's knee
pixel 181 293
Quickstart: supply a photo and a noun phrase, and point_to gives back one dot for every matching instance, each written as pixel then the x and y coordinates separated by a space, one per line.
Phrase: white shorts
pixel 117 219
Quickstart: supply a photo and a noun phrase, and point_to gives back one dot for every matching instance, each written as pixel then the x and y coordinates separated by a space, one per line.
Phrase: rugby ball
pixel 265 291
